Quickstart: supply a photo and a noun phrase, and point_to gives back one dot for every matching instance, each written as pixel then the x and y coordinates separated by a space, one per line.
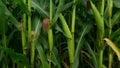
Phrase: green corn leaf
pixel 56 58
pixel 44 42
pixel 115 18
pixel 116 3
pixel 22 6
pixel 115 34
pixel 5 15
pixel 11 36
pixel 16 57
pixel 80 44
pixel 58 11
pixel 42 56
pixel 66 6
pixel 36 28
pixel 57 27
pixel 94 58
pixel 39 8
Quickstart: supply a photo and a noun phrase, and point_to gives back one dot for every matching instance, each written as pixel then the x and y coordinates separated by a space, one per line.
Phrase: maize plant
pixel 59 33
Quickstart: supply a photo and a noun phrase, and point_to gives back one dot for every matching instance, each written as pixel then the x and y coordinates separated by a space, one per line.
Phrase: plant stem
pixel 102 8
pixel 69 39
pixel 72 31
pixel 110 6
pixel 100 30
pixel 31 43
pixel 50 39
pixel 5 46
pixel 110 60
pixel 101 58
pixel 102 36
pixel 110 15
pixel 73 17
pixel 50 36
pixel 32 51
pixel 71 52
pixel 29 21
pixel 24 32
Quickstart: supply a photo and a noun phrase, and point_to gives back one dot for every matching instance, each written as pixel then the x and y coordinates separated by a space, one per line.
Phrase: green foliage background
pixel 86 35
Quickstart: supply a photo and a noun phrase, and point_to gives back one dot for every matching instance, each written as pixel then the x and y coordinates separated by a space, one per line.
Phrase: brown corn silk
pixel 45 24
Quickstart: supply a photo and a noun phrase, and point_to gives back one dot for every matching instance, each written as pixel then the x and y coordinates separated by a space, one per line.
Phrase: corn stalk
pixel 24 32
pixel 110 6
pixel 100 31
pixel 72 46
pixel 69 39
pixel 50 36
pixel 30 38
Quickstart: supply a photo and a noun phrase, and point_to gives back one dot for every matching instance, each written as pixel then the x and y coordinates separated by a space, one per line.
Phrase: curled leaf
pixel 113 46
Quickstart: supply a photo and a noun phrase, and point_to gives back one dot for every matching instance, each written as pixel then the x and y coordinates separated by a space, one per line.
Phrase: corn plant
pixel 59 33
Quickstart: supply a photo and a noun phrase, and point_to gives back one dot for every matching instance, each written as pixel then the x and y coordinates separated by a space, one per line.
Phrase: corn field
pixel 59 33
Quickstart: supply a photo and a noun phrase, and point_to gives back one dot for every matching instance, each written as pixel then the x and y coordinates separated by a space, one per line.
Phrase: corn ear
pixel 98 18
pixel 50 38
pixel 50 33
pixel 65 27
